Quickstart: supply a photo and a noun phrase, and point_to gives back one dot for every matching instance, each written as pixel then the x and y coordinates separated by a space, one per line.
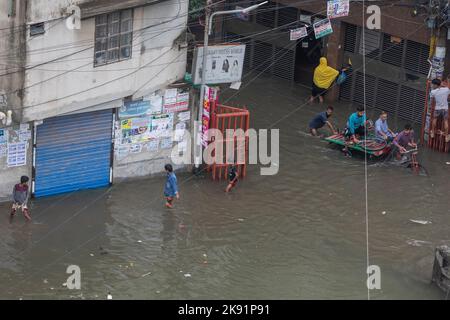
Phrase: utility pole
pixel 208 24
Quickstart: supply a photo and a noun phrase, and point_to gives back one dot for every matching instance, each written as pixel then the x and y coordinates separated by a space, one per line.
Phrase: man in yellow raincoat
pixel 324 76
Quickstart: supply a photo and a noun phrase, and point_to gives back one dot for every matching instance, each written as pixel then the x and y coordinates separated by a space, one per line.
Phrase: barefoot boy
pixel 20 197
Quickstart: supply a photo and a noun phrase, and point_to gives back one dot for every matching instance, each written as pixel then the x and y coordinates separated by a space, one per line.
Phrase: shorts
pixel 16 206
pixel 441 113
pixel 316 91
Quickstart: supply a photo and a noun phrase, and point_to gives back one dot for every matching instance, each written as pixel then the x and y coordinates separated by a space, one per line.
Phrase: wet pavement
pixel 300 234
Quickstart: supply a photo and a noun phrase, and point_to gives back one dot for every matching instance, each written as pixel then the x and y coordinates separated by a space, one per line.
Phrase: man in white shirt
pixel 439 98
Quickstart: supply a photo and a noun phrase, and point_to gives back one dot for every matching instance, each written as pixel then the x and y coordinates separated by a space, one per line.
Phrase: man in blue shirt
pixel 320 120
pixel 382 130
pixel 356 125
pixel 171 186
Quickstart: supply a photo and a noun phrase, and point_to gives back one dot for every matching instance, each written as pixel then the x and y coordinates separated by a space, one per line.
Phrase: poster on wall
pixel 166 143
pixel 162 125
pixel 156 103
pixel 3 136
pixel 17 154
pixel 175 101
pixel 135 130
pixel 3 150
pixel 184 116
pixel 134 109
pixel 322 28
pixel 152 146
pixel 223 64
pixel 338 8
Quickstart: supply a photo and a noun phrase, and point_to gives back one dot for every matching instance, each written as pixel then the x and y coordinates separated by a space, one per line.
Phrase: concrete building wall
pixel 71 82
pixel 12 61
pixel 61 78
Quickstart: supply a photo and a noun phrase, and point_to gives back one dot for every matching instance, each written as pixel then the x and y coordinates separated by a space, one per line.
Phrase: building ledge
pixel 91 8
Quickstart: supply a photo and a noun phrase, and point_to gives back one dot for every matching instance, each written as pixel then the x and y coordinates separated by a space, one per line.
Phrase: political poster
pixel 298 33
pixel 338 8
pixel 322 28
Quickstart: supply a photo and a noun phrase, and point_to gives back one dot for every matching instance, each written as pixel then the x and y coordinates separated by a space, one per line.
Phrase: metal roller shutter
pixel 266 15
pixel 416 58
pixel 411 104
pixel 392 52
pixel 73 153
pixel 284 66
pixel 358 95
pixel 387 97
pixel 262 57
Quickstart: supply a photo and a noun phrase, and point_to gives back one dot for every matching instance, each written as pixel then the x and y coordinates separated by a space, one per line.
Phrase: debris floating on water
pixel 91 254
pixel 447 162
pixel 139 241
pixel 420 221
pixel 45 281
pixel 417 243
pixel 384 212
pixel 187 275
pixel 144 275
pixel 240 219
pixel 109 296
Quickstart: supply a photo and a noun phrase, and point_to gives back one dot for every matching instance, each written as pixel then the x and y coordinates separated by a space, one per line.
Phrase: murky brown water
pixel 300 234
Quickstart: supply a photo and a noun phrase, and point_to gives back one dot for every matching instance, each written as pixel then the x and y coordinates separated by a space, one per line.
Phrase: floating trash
pixel 64 284
pixel 420 221
pixel 205 255
pixel 144 275
pixel 417 243
pixel 384 212
pixel 139 241
pixel 91 254
pixel 240 219
pixel 187 275
pixel 45 281
pixel 109 296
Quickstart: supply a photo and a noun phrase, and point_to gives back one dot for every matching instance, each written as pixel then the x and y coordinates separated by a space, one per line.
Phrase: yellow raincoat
pixel 324 75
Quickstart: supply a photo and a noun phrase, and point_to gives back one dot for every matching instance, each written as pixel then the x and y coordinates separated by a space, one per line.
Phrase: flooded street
pixel 300 234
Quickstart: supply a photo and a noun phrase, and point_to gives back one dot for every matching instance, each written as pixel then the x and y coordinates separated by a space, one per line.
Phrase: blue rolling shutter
pixel 73 153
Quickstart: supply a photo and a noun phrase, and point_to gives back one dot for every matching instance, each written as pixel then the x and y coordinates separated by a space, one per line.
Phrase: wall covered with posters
pixel 15 157
pixel 146 131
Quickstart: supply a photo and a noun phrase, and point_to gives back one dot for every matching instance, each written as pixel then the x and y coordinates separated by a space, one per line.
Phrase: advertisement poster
pixel 3 135
pixel 166 143
pixel 210 98
pixel 3 150
pixel 17 154
pixel 152 146
pixel 322 28
pixel 338 8
pixel 134 109
pixel 136 130
pixel 223 64
pixel 156 103
pixel 298 33
pixel 176 101
pixel 184 116
pixel 162 125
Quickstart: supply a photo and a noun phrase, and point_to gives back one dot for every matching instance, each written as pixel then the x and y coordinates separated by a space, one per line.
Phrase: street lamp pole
pixel 208 30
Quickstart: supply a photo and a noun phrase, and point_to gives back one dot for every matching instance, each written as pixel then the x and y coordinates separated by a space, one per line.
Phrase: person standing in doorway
pixel 171 186
pixel 439 98
pixel 323 77
pixel 20 198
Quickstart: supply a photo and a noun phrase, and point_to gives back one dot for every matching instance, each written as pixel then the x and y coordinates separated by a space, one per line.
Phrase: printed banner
pixel 17 154
pixel 298 33
pixel 134 109
pixel 338 8
pixel 322 28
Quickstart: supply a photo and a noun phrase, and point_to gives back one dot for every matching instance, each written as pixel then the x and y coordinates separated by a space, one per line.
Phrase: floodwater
pixel 300 234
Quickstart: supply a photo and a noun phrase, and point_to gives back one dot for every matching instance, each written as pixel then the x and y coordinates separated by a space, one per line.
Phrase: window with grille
pixel 113 37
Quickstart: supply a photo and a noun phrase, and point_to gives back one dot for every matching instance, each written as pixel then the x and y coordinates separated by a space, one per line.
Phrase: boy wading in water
pixel 171 186
pixel 232 178
pixel 20 198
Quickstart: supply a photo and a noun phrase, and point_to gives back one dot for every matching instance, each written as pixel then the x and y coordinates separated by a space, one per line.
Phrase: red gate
pixel 438 142
pixel 223 118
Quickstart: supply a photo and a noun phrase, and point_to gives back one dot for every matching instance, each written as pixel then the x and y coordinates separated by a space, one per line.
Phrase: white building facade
pixel 94 98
